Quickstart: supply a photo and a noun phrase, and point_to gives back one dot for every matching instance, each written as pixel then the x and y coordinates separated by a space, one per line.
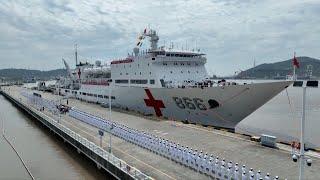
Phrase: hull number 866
pixel 187 103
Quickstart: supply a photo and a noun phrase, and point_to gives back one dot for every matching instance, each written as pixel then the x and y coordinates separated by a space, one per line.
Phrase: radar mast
pixel 154 38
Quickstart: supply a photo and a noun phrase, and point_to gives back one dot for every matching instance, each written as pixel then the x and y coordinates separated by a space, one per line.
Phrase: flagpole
pixel 294 73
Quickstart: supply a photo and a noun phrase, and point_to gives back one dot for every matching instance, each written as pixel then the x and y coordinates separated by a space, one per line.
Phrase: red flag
pixel 295 62
pixel 79 73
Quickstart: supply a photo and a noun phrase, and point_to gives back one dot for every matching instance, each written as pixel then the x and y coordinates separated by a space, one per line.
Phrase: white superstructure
pixel 169 83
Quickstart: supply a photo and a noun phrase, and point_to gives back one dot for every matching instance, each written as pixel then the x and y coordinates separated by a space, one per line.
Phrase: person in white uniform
pixel 216 169
pixel 209 167
pixel 221 172
pixel 229 173
pixel 201 164
pixel 236 175
pixel 199 161
pixel 185 156
pixel 244 176
pixel 258 175
pixel 267 177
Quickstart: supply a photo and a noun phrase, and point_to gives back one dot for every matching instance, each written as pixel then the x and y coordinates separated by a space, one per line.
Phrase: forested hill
pixel 283 68
pixel 25 74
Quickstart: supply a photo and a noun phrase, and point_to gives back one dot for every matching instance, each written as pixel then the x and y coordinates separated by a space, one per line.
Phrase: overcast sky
pixel 36 34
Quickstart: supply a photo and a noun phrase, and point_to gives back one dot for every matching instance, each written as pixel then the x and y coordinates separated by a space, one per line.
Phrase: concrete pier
pixel 103 159
pixel 231 146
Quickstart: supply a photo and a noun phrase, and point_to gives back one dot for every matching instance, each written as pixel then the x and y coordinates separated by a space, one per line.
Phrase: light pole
pixel 110 135
pixel 302 126
pixel 301 155
pixel 110 103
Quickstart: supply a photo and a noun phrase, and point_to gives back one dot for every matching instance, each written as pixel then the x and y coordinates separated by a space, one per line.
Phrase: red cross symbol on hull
pixel 156 104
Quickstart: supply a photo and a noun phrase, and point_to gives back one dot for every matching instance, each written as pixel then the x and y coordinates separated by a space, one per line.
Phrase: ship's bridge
pixel 162 55
pixel 178 65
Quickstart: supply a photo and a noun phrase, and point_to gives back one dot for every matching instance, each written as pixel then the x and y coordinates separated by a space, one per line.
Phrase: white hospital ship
pixel 166 82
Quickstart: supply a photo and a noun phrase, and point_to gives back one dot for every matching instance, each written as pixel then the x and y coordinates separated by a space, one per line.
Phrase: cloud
pixel 37 34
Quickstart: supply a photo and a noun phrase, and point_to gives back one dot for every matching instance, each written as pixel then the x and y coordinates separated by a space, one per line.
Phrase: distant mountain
pixel 26 75
pixel 281 69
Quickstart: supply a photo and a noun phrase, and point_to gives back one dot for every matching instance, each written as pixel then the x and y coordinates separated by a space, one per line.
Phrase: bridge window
pixel 151 81
pixel 138 81
pixel 122 81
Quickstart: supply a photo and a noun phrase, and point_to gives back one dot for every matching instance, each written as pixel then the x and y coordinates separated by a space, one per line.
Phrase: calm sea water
pixel 278 118
pixel 46 156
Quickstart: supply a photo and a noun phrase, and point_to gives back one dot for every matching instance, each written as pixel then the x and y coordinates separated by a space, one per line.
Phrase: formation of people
pixel 197 160
pixel 202 162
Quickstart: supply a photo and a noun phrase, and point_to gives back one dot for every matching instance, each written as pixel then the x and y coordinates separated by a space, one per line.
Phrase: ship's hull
pixel 222 106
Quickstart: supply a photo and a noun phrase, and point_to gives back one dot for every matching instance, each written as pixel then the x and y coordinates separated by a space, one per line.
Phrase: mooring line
pixel 23 163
